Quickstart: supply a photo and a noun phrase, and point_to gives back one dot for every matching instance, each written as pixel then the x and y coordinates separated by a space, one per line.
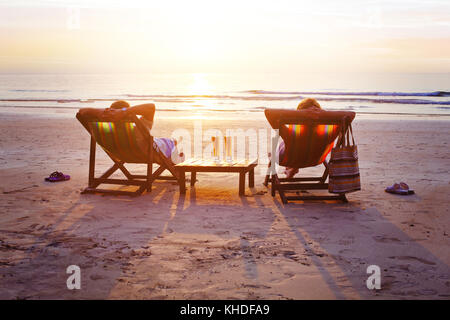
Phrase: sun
pixel 200 85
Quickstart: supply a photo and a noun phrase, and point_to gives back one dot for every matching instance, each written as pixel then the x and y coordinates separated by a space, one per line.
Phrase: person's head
pixel 120 104
pixel 308 103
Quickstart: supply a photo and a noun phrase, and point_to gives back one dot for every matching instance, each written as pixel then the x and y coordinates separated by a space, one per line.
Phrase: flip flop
pixel 57 176
pixel 404 186
pixel 399 188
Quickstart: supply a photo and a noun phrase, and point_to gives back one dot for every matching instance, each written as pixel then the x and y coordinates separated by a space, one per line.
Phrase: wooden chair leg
pixel 92 163
pixel 124 170
pixel 276 187
pixel 274 184
pixel 268 175
pixel 157 173
pixel 96 181
pixel 149 176
pixel 325 172
pixel 266 180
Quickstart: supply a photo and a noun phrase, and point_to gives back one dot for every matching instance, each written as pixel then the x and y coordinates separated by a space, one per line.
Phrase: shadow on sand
pixel 108 237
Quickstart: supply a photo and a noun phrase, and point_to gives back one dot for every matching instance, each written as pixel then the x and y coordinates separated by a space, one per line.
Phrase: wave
pixel 260 95
pixel 373 97
pixel 370 93
pixel 192 98
pixel 244 111
pixel 389 101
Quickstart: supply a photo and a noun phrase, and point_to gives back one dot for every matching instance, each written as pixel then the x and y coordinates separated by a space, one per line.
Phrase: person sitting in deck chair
pixel 121 109
pixel 308 136
pixel 308 103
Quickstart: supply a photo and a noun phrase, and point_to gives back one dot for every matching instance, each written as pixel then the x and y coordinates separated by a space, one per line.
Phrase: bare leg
pixel 291 172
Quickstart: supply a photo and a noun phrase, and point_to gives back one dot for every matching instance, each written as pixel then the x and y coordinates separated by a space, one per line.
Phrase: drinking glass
pixel 228 154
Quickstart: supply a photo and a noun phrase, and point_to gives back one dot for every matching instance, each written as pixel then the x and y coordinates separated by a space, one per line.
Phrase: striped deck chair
pixel 308 137
pixel 126 141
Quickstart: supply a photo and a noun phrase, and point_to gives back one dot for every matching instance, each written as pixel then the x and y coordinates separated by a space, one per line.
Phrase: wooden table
pixel 209 165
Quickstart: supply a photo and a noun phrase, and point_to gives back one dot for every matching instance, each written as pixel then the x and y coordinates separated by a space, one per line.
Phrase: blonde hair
pixel 308 103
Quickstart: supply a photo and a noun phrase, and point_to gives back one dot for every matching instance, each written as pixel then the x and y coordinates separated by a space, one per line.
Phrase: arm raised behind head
pixel 146 110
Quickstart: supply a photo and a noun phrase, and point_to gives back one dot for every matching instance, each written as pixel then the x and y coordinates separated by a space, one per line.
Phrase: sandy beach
pixel 213 244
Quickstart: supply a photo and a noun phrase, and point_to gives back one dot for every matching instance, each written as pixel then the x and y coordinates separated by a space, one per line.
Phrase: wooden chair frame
pixel 284 185
pixel 144 182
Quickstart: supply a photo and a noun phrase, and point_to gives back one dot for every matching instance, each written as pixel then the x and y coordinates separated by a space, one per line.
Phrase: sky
pixel 198 36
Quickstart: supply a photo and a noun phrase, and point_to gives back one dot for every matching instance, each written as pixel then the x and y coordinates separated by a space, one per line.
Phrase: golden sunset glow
pixel 235 36
pixel 199 85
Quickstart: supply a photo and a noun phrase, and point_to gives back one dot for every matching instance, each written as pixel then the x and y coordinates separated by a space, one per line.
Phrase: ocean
pixel 401 94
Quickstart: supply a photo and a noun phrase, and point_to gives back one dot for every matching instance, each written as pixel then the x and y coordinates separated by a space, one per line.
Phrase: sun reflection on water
pixel 201 89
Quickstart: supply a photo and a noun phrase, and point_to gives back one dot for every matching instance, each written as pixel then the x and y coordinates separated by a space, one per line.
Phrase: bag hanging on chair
pixel 343 166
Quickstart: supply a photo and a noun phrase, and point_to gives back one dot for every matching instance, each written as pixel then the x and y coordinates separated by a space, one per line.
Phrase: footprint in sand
pixel 427 292
pixel 386 239
pixel 410 258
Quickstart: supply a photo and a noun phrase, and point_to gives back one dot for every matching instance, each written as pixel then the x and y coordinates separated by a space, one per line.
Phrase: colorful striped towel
pixel 306 145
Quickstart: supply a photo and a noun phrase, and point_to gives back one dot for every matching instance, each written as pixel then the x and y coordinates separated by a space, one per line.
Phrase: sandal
pixel 399 188
pixel 404 186
pixel 57 176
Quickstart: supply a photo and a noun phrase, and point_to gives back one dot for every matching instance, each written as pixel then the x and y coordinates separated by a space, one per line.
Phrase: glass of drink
pixel 228 154
pixel 215 151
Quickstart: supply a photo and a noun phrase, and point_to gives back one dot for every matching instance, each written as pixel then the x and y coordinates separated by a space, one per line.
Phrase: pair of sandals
pixel 57 176
pixel 399 188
